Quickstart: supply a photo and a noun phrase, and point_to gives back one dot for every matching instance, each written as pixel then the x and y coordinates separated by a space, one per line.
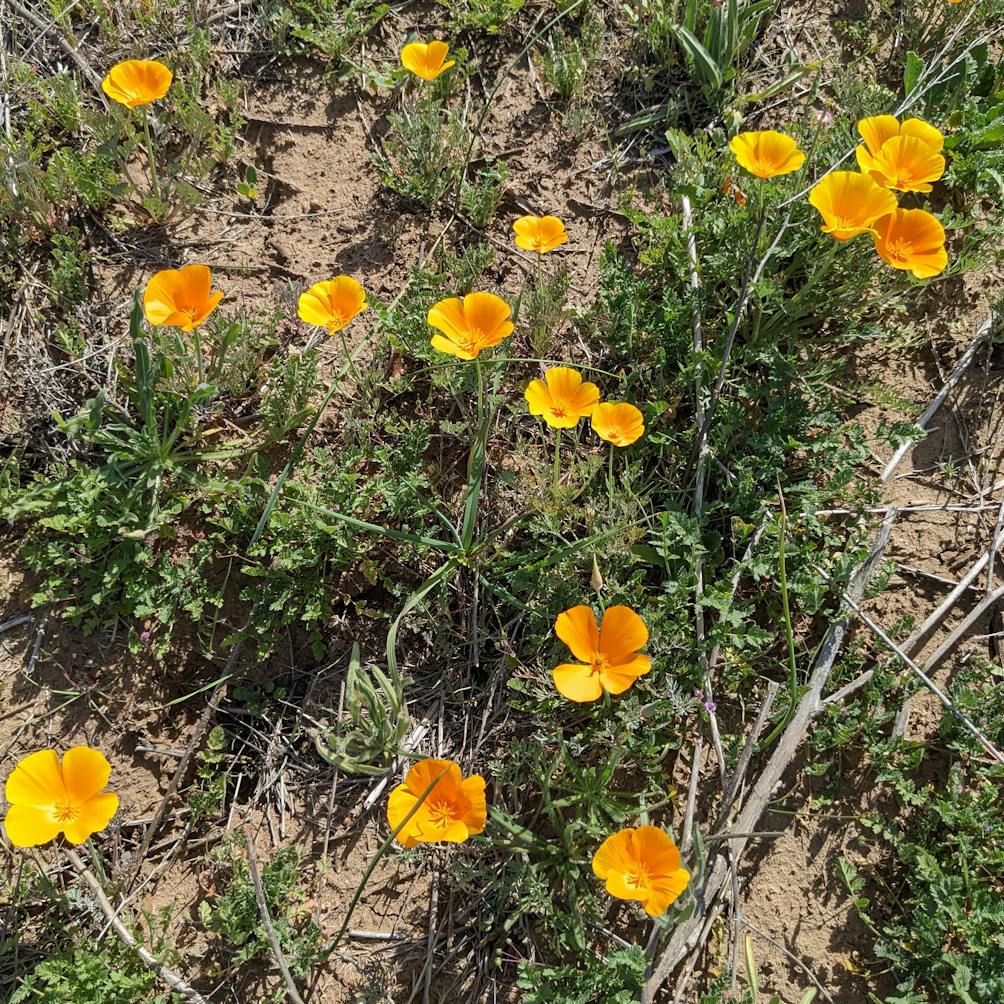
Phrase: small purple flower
pixel 699 694
pixel 710 706
pixel 144 636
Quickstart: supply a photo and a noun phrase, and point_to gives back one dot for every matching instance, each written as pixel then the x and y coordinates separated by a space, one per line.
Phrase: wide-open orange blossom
pixel 453 810
pixel 562 398
pixel 767 154
pixel 642 864
pixel 912 240
pixel 905 156
pixel 180 298
pixel 618 422
pixel 479 321
pixel 610 660
pixel 332 304
pixel 850 203
pixel 48 797
pixel 539 233
pixel 426 59
pixel 137 82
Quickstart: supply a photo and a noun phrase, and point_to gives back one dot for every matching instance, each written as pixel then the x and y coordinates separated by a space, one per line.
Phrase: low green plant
pixel 234 918
pixel 614 978
pixel 422 155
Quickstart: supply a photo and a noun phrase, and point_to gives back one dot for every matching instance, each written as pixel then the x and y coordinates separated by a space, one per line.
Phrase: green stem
pixel 352 363
pixel 151 159
pixel 557 461
pixel 788 632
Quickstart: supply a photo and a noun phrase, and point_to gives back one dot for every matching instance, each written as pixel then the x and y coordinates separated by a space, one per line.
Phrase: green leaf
pixel 912 71
pixel 705 68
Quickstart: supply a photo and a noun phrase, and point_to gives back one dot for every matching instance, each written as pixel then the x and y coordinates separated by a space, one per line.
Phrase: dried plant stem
pixel 151 158
pixel 172 979
pixel 273 939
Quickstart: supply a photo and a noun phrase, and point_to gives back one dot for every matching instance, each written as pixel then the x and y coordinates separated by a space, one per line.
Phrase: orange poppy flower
pixel 453 810
pixel 180 298
pixel 850 203
pixel 610 652
pixel 137 82
pixel 48 798
pixel 767 154
pixel 426 60
pixel 332 304
pixel 478 321
pixel 562 397
pixel 912 240
pixel 904 156
pixel 618 422
pixel 642 864
pixel 539 233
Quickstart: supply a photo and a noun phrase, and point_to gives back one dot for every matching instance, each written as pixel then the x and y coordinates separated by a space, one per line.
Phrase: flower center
pixel 900 249
pixel 638 878
pixel 600 664
pixel 65 813
pixel 558 411
pixel 442 814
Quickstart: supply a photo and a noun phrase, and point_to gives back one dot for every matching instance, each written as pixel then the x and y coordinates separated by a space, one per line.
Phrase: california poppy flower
pixel 180 298
pixel 562 397
pixel 904 156
pixel 478 321
pixel 767 154
pixel 617 422
pixel 642 864
pixel 426 60
pixel 48 797
pixel 539 233
pixel 610 661
pixel 137 82
pixel 453 810
pixel 850 203
pixel 332 304
pixel 912 240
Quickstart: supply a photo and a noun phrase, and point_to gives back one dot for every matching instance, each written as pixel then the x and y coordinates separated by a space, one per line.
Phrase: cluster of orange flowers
pixel 904 156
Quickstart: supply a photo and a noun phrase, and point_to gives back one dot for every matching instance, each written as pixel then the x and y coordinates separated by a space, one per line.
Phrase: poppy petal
pixel 613 854
pixel 85 773
pixel 30 826
pixel 622 633
pixel 577 682
pixel 37 781
pixel 576 627
pixel 473 789
pixel 400 802
pixel 95 814
pixel 665 891
pixel 538 397
pixel 877 129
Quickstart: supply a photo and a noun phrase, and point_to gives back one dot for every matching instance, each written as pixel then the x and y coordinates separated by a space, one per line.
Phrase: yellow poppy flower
pixel 48 797
pixel 539 233
pixel 332 304
pixel 610 661
pixel 767 154
pixel 137 82
pixel 478 321
pixel 180 298
pixel 453 810
pixel 903 156
pixel 562 397
pixel 426 60
pixel 617 422
pixel 912 240
pixel 850 203
pixel 642 864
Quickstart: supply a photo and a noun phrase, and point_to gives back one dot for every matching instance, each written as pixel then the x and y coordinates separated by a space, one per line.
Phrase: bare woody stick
pixel 172 979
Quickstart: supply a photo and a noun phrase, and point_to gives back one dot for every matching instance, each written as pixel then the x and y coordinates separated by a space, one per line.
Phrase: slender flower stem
pixel 788 632
pixel 557 461
pixel 610 466
pixel 151 159
pixel 481 390
pixel 352 363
